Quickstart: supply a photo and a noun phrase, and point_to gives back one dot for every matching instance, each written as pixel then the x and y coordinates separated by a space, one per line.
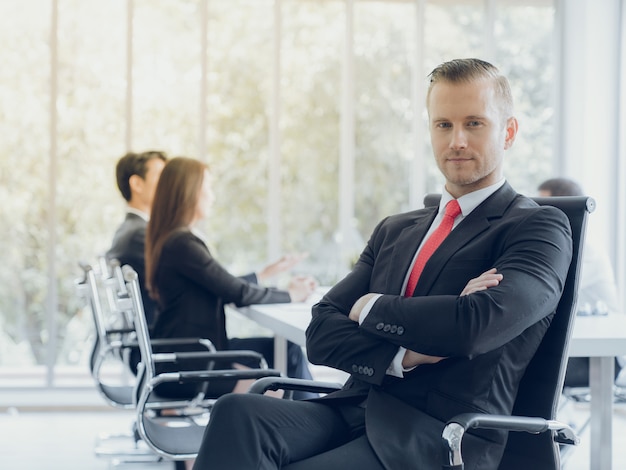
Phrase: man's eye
pixel 474 123
pixel 444 125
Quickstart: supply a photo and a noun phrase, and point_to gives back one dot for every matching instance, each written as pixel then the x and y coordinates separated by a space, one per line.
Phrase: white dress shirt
pixel 468 203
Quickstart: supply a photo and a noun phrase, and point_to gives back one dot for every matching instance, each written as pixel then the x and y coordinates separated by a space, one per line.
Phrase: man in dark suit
pixel 420 350
pixel 137 175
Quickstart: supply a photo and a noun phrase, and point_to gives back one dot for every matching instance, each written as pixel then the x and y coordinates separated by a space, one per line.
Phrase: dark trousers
pixel 248 432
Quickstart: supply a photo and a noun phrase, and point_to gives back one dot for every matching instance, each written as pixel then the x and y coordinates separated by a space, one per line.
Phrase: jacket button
pixel 394 328
pixel 400 331
pixel 386 328
pixel 380 326
pixel 360 369
pixel 355 369
pixel 370 371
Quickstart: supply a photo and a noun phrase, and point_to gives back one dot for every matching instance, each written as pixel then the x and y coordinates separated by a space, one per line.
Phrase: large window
pixel 310 114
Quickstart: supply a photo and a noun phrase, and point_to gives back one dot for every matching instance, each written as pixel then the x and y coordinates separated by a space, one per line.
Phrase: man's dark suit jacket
pixel 488 337
pixel 128 247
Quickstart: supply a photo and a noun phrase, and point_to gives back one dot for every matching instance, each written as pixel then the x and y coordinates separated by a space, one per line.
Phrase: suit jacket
pixel 128 247
pixel 488 337
pixel 193 288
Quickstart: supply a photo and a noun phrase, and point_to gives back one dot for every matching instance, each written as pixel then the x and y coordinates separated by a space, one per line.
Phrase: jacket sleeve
pixel 332 339
pixel 192 258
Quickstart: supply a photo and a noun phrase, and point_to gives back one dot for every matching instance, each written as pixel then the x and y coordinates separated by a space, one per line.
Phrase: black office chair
pixel 121 329
pixel 115 340
pixel 177 433
pixel 537 401
pixel 116 335
pixel 538 396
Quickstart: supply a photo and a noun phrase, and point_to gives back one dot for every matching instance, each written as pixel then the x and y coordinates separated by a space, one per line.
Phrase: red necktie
pixel 445 227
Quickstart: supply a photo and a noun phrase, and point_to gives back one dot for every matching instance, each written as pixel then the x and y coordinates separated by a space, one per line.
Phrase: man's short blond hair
pixel 470 70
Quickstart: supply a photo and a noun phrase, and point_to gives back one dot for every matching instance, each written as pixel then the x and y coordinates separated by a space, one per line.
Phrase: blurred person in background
pixel 191 287
pixel 137 175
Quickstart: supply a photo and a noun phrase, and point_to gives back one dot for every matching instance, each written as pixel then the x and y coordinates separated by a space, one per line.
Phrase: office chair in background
pixel 174 429
pixel 113 357
pixel 168 428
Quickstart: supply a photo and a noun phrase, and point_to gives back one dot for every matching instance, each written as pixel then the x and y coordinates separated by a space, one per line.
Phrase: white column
pixel 346 155
pixel 589 107
pixel 274 217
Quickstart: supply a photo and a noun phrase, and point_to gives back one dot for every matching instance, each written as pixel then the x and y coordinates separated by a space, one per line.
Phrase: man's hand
pixel 414 359
pixel 357 308
pixel 484 281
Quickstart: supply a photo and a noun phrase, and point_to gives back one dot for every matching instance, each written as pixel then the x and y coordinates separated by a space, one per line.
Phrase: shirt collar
pixel 470 201
pixel 142 214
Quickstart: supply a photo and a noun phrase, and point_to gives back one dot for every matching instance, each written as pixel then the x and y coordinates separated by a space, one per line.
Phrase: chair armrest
pixel 260 386
pixel 199 376
pixel 120 331
pixel 182 342
pixel 233 355
pixel 173 342
pixel 456 427
pixel 148 400
pixel 224 374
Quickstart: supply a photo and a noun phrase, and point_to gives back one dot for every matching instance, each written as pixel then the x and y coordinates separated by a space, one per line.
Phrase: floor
pixel 67 440
pixel 53 440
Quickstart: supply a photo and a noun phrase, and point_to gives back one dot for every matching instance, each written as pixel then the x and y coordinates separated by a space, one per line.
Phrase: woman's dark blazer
pixel 193 288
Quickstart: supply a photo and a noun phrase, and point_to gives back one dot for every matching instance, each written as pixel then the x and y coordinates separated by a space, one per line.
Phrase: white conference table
pixel 599 337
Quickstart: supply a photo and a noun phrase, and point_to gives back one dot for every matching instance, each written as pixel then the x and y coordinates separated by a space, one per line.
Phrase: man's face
pixel 469 134
pixel 149 183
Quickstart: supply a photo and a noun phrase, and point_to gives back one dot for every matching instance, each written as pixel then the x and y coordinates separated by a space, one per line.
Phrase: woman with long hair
pixel 189 285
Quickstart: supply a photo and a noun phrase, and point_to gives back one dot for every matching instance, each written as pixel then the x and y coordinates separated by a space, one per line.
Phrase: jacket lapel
pixel 469 228
pixel 404 249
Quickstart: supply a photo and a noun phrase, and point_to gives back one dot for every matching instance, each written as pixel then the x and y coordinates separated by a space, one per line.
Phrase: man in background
pixel 137 176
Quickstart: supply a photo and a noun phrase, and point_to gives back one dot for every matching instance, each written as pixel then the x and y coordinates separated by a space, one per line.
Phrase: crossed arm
pixel 411 359
pixel 532 251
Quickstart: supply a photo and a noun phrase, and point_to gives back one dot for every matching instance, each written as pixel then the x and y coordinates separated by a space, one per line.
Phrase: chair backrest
pixel 111 335
pixel 116 289
pixel 541 385
pixel 95 302
pixel 85 288
pixel 133 303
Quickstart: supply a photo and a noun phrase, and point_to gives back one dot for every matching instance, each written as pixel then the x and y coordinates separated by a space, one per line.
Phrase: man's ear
pixel 136 184
pixel 511 132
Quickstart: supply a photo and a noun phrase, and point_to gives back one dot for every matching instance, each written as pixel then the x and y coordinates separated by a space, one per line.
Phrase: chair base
pixel 124 448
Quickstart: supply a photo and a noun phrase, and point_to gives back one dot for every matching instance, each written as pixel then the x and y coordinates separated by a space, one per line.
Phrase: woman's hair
pixel 174 207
